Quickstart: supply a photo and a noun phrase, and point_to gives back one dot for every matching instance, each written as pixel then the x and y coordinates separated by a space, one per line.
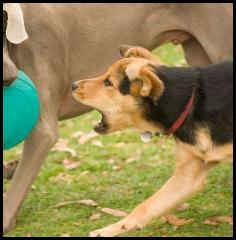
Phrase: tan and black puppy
pixel 193 104
pixel 118 92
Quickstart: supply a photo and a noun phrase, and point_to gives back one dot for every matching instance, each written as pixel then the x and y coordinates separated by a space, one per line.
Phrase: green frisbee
pixel 20 110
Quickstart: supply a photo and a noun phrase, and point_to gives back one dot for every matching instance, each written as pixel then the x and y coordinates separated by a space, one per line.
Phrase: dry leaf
pixel 183 207
pixel 217 220
pixel 105 173
pixel 163 219
pixel 97 143
pixel 65 235
pixel 18 153
pixel 95 216
pixel 61 143
pixel 85 138
pixel 210 222
pixel 120 145
pixel 134 157
pixel 70 150
pixel 28 235
pixel 116 167
pixel 175 227
pixel 77 223
pixel 113 212
pixel 77 134
pixel 111 161
pixel 84 173
pixel 163 146
pixel 226 219
pixel 62 177
pixel 69 164
pixel 62 146
pixel 62 204
pixel 88 202
pixel 174 220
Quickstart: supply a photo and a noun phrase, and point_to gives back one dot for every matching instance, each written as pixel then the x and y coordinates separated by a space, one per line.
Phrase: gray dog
pixel 56 44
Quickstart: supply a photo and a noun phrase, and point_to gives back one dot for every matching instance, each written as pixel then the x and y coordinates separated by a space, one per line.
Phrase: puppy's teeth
pixel 146 136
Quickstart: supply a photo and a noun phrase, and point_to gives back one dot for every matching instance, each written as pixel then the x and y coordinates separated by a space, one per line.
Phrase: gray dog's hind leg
pixel 9 169
pixel 36 149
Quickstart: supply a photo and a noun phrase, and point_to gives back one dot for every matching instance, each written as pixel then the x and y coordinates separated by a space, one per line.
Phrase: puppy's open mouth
pixel 102 126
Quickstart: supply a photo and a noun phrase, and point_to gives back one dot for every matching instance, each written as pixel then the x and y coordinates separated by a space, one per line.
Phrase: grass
pixel 115 184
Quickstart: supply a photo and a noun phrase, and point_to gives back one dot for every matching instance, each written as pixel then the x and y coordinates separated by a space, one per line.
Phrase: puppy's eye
pixel 107 83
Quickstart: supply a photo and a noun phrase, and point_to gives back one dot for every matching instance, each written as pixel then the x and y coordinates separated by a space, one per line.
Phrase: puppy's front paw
pixel 109 231
pixel 123 226
pixel 96 233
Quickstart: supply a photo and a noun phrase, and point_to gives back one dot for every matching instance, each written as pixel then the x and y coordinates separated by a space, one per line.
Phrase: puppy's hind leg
pixel 36 148
pixel 187 180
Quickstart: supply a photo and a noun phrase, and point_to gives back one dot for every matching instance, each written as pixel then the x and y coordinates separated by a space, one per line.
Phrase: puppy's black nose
pixel 74 86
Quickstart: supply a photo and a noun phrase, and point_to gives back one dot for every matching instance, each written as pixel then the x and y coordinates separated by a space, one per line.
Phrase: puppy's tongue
pixel 146 136
pixel 101 127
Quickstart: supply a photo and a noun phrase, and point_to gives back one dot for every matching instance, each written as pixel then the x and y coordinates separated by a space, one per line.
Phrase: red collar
pixel 182 116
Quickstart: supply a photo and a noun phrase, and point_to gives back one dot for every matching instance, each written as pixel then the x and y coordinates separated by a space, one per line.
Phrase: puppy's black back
pixel 213 103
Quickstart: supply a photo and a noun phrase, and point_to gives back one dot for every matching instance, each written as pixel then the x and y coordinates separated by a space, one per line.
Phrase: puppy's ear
pixel 124 50
pixel 147 84
pixel 152 85
pixel 138 52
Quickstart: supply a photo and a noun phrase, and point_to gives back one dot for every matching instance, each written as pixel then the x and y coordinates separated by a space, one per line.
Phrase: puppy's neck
pixel 179 84
pixel 212 105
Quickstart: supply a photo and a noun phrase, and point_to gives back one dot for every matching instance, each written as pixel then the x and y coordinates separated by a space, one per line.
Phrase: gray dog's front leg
pixel 36 148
